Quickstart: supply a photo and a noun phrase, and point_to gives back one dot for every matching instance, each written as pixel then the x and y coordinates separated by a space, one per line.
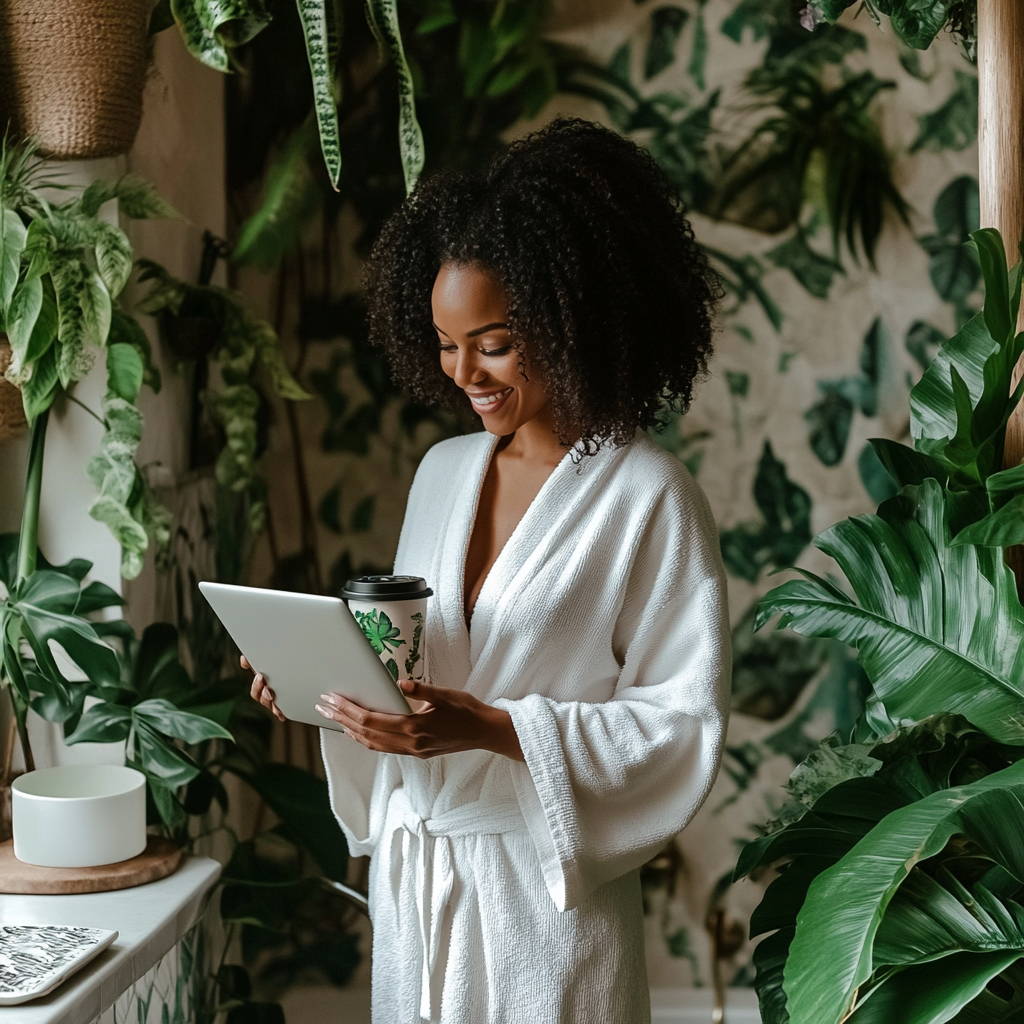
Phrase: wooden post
pixel 1001 164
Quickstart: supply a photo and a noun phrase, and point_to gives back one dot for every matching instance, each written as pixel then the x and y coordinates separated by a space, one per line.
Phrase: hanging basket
pixel 72 73
pixel 12 412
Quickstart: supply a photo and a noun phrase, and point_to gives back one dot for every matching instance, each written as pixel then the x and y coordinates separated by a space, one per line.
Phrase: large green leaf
pixel 935 992
pixel 32 325
pixel 936 626
pixel 210 28
pixel 39 391
pixel 163 717
pixel 301 801
pixel 845 904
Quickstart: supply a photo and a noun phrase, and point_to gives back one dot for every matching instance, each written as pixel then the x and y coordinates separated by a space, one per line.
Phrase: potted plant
pixel 901 877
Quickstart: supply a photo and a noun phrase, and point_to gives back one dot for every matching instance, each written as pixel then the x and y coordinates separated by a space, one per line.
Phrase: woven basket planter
pixel 12 412
pixel 72 73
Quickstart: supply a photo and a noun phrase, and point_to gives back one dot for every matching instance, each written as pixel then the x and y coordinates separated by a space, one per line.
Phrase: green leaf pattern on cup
pixel 414 652
pixel 392 666
pixel 380 631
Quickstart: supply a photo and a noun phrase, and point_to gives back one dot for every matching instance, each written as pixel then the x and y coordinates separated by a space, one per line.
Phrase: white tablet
pixel 305 645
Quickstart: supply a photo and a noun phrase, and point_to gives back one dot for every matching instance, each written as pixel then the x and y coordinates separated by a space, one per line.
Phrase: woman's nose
pixel 468 370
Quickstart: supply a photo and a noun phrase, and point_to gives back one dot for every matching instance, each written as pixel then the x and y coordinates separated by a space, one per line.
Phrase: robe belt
pixel 424 844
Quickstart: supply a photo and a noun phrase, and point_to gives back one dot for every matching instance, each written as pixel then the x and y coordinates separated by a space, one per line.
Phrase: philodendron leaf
pixel 321 42
pixel 31 326
pixel 169 764
pixel 39 391
pixel 12 240
pixel 845 904
pixel 113 257
pixel 936 626
pixel 384 21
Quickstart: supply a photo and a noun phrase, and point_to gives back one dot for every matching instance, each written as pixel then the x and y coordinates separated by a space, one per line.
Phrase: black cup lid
pixel 386 588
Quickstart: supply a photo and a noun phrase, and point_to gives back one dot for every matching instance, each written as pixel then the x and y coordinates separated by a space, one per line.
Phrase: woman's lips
pixel 489 403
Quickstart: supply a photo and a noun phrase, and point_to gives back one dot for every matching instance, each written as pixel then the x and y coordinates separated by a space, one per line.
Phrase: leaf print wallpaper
pixel 833 177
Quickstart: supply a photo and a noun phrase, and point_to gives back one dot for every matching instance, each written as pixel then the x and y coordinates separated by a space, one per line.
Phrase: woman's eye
pixel 446 348
pixel 496 351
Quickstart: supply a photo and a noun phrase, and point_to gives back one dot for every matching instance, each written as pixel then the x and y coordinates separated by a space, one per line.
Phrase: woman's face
pixel 470 309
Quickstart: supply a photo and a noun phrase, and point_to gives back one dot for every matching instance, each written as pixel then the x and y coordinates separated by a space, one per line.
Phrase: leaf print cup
pixel 392 611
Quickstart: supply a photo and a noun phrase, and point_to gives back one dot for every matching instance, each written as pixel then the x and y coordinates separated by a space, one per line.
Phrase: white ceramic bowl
pixel 79 816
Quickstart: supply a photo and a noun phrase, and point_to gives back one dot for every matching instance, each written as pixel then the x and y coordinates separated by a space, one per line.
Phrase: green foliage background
pixel 832 174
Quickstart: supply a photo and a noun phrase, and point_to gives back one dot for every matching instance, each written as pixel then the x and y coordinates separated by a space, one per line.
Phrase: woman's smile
pixel 470 313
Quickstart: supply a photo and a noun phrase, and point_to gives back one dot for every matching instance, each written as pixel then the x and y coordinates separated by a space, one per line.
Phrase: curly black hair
pixel 607 288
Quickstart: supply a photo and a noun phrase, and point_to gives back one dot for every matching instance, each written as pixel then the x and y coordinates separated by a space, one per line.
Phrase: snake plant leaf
pixel 845 904
pixel 319 32
pixel 936 625
pixel 13 236
pixel 383 15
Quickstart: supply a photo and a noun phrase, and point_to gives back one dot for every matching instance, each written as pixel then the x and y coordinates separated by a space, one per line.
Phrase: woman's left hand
pixel 449 721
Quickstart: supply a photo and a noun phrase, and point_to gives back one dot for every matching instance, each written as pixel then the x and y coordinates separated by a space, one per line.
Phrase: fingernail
pixel 323 711
pixel 327 698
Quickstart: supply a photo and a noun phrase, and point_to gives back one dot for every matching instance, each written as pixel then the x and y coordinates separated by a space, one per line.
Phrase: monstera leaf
pixel 937 626
pixel 379 631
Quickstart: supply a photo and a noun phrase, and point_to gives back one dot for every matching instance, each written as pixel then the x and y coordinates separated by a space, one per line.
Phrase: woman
pixel 578 641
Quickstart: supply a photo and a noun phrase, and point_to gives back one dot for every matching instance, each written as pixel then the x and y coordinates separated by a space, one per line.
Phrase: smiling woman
pixel 578 639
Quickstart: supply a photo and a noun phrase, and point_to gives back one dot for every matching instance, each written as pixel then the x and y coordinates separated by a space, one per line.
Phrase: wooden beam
pixel 1001 164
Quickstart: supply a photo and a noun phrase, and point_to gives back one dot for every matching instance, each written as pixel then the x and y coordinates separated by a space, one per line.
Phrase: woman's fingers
pixel 244 662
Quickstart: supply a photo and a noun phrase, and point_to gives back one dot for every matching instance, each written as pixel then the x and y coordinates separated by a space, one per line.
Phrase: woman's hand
pixel 448 721
pixel 262 692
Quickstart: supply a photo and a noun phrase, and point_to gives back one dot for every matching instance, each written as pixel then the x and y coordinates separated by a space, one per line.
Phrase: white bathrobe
pixel 508 893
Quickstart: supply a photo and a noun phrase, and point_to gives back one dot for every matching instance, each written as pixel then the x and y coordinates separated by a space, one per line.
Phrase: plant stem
pixel 29 541
pixel 28 545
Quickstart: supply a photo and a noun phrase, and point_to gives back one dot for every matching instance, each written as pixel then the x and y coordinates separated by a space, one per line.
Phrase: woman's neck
pixel 536 441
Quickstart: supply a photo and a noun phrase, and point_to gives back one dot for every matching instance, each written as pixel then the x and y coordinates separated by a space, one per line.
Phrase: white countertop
pixel 150 919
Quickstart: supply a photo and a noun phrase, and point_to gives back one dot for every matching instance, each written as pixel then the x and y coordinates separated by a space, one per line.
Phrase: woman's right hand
pixel 262 692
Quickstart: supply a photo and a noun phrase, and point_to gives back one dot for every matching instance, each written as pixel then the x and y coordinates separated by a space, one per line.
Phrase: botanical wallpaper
pixel 817 351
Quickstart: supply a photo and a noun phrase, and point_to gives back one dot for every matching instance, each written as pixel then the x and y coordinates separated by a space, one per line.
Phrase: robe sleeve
pixel 606 785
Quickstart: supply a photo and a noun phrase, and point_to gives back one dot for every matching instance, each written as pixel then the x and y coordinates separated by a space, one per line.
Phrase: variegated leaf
pixel 12 240
pixel 383 16
pixel 317 27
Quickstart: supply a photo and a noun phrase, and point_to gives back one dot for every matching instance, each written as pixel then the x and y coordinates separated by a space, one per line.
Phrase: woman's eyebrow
pixel 476 331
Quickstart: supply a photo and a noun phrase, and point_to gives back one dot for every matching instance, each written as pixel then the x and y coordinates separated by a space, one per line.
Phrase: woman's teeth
pixel 490 399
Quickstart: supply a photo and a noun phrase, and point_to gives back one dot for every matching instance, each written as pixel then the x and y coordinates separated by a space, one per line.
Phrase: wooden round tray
pixel 158 860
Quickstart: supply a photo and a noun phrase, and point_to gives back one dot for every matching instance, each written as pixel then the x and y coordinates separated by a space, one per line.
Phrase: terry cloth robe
pixel 508 893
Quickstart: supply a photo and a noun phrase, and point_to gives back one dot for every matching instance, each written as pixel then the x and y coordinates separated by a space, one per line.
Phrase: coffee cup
pixel 392 611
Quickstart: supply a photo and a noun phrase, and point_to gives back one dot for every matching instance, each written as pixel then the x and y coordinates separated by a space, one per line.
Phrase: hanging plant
pixel 212 29
pixel 916 22
pixel 220 327
pixel 73 73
